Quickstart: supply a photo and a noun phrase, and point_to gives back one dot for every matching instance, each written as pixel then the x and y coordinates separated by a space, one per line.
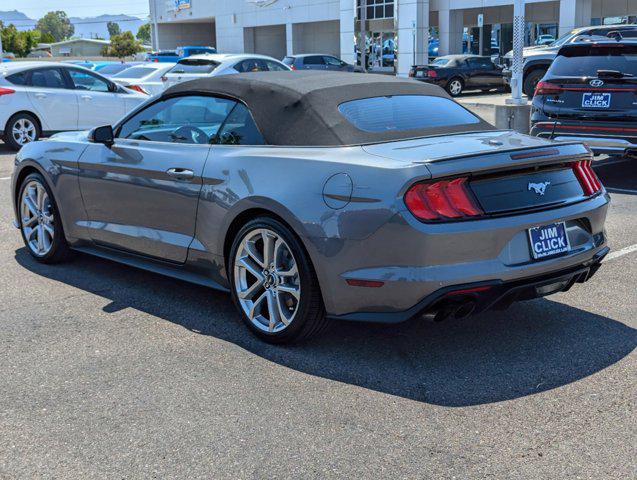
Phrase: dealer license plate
pixel 549 240
pixel 596 100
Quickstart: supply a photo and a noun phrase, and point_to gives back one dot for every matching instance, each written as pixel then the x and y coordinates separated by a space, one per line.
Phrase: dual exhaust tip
pixel 452 309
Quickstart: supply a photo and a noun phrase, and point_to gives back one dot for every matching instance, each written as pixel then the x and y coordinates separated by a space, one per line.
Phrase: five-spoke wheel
pixel 21 129
pixel 41 230
pixel 273 282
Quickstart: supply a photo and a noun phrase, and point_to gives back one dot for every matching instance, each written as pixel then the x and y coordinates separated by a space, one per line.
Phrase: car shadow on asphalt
pixel 533 347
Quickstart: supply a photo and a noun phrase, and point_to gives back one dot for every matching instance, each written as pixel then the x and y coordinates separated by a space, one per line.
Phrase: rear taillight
pixel 442 201
pixel 6 91
pixel 137 88
pixel 546 88
pixel 587 177
pixel 432 73
pixel 292 67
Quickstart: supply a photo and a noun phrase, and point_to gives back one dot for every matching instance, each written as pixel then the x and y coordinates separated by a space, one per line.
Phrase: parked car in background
pixel 589 94
pixel 456 73
pixel 81 63
pixel 537 59
pixel 144 78
pixel 179 53
pixel 97 66
pixel 40 98
pixel 319 61
pixel 460 217
pixel 108 70
pixel 545 39
pixel 199 66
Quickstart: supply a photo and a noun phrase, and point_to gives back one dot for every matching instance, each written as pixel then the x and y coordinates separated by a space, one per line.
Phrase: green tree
pixel 17 42
pixel 122 45
pixel 113 29
pixel 143 34
pixel 46 37
pixel 57 24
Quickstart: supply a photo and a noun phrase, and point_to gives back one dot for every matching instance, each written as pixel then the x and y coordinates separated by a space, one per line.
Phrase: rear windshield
pixel 194 66
pixel 135 72
pixel 584 61
pixel 405 112
pixel 441 61
pixel 113 69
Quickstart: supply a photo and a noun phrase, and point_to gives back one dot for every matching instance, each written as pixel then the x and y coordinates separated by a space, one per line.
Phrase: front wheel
pixel 273 283
pixel 531 81
pixel 455 86
pixel 40 222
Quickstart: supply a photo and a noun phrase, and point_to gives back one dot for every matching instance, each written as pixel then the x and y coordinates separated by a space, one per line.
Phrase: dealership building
pixel 395 33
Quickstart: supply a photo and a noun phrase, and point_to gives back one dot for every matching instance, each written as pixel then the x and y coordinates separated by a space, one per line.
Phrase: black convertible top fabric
pixel 301 108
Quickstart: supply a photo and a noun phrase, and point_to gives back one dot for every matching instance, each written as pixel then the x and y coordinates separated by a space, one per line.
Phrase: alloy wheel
pixel 23 131
pixel 455 87
pixel 266 280
pixel 38 222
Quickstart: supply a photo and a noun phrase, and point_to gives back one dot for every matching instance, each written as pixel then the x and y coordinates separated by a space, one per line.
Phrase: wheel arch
pixel 28 112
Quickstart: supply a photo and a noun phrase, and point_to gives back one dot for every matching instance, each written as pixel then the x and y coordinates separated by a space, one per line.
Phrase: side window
pixel 251 65
pixel 313 60
pixel 19 78
pixel 274 66
pixel 240 129
pixel 189 119
pixel 47 78
pixel 87 81
pixel 334 62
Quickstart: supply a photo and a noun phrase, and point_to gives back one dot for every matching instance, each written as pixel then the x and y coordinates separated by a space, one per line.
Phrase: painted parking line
pixel 621 190
pixel 621 252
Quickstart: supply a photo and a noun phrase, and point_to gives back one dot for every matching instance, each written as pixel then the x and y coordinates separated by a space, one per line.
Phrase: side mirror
pixel 102 135
pixel 112 87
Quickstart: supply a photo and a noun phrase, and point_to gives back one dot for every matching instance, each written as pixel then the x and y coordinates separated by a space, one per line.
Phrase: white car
pixel 145 78
pixel 197 66
pixel 40 98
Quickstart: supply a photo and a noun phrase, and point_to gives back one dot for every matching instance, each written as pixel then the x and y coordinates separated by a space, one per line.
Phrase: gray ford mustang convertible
pixel 319 195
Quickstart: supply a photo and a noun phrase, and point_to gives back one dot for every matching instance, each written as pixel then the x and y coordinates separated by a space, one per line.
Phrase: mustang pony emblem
pixel 538 188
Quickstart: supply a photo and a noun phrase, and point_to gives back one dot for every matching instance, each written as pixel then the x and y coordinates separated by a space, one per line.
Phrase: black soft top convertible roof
pixel 301 108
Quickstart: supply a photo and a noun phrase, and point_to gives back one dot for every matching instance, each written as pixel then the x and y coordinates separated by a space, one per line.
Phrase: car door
pixel 335 64
pixel 314 62
pixel 141 194
pixel 53 98
pixel 489 72
pixel 99 101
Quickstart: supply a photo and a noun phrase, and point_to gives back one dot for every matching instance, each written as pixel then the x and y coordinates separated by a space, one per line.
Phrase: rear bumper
pixel 603 140
pixel 473 298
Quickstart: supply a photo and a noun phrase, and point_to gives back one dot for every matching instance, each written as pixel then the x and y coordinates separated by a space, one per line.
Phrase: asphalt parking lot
pixel 110 372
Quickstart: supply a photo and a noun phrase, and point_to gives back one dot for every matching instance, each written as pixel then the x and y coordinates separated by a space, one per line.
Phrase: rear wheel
pixel 531 81
pixel 273 283
pixel 455 86
pixel 40 223
pixel 21 129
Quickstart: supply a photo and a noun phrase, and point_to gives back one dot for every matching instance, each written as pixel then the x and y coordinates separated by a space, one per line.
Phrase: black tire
pixel 310 318
pixel 531 80
pixel 9 139
pixel 450 86
pixel 59 250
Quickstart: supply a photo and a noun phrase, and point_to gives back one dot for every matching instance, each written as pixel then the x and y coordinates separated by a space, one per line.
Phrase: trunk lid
pixel 507 172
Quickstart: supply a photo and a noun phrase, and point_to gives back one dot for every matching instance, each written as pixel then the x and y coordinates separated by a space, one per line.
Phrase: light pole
pixel 518 57
pixel 155 28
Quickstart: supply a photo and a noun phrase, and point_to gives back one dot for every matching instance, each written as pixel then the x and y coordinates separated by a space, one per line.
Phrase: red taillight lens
pixel 587 177
pixel 432 73
pixel 546 88
pixel 137 88
pixel 442 200
pixel 292 67
pixel 6 91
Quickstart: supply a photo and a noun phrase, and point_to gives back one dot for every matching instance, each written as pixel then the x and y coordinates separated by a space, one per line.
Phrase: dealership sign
pixel 176 5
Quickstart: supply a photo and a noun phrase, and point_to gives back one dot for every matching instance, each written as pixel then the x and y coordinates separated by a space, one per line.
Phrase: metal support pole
pixel 518 60
pixel 363 34
pixel 1 51
pixel 155 27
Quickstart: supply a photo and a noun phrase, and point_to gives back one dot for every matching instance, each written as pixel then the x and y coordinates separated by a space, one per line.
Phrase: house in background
pixel 79 47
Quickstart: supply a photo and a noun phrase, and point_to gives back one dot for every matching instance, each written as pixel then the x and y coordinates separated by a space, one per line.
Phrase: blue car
pixel 179 53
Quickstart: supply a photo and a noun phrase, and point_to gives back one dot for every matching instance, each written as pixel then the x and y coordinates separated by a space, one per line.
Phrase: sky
pixel 78 8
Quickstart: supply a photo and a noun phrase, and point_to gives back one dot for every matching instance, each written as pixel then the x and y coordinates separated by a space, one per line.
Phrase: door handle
pixel 86 97
pixel 181 173
pixel 40 95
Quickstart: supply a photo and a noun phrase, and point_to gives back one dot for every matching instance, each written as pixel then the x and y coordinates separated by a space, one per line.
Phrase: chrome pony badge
pixel 538 188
